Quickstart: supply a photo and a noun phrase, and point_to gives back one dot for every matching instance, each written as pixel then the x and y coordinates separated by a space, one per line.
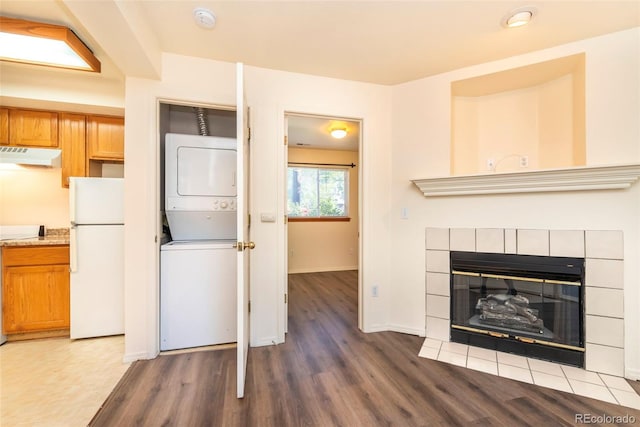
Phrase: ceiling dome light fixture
pixel 338 133
pixel 204 18
pixel 518 17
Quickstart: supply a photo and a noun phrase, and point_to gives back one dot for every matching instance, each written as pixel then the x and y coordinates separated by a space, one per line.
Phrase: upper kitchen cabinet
pixel 4 126
pixel 72 142
pixel 33 128
pixel 105 138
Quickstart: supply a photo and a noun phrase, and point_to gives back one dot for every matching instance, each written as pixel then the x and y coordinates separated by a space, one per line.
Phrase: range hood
pixel 30 156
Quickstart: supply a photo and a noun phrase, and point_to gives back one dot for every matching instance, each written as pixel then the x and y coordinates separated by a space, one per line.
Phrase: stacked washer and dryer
pixel 198 267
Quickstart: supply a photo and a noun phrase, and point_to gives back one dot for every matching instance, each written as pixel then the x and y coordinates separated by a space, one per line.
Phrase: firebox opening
pixel 522 304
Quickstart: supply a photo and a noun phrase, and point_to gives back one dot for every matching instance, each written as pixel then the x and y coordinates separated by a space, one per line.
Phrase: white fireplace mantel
pixel 570 179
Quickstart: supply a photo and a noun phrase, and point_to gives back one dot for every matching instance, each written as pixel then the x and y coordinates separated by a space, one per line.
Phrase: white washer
pixel 197 293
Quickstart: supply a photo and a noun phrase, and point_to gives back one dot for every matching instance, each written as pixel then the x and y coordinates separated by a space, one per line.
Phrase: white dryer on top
pixel 200 186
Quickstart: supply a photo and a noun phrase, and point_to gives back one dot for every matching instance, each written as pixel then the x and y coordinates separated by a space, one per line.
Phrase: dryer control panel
pixel 224 204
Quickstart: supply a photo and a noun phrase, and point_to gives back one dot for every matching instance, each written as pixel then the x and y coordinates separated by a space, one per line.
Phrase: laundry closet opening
pixel 197 205
pixel 322 193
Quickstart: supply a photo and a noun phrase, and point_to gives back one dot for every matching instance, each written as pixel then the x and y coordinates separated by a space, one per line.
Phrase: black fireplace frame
pixel 532 266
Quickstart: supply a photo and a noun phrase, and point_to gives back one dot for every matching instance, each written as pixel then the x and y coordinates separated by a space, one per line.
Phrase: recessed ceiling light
pixel 338 133
pixel 204 18
pixel 518 17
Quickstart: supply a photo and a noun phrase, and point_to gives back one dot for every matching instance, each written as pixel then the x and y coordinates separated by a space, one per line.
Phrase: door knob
pixel 244 245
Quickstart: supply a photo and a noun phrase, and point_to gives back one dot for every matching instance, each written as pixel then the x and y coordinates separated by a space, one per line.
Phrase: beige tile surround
pixel 603 253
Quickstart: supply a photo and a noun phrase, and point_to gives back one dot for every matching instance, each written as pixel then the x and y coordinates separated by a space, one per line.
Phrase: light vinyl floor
pixel 57 382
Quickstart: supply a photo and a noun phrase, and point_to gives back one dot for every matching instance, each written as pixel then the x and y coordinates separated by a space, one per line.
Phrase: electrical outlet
pixel 491 164
pixel 524 161
pixel 374 291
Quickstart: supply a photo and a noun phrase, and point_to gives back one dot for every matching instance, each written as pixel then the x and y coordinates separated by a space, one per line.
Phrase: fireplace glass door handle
pixel 497 334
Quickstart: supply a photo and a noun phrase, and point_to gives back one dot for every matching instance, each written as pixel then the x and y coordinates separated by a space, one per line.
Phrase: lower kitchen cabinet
pixel 35 288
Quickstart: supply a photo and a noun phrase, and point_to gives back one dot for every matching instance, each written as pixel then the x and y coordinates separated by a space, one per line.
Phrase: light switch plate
pixel 268 217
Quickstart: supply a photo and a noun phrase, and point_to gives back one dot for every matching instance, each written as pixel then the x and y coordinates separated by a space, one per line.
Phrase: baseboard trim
pixel 322 269
pixel 132 357
pixel 632 374
pixel 263 342
pixel 375 328
pixel 406 330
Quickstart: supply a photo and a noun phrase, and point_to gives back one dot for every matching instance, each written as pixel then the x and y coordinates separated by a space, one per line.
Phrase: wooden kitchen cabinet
pixel 4 126
pixel 35 288
pixel 33 128
pixel 105 138
pixel 72 136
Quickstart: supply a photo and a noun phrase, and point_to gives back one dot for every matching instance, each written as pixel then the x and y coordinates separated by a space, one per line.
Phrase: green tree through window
pixel 317 192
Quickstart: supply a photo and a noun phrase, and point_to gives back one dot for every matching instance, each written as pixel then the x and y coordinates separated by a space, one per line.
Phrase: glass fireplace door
pixel 544 310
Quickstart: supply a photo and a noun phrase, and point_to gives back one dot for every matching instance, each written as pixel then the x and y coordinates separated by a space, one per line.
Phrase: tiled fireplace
pixel 601 309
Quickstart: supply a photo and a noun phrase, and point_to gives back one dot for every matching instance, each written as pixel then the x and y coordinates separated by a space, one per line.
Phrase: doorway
pixel 323 195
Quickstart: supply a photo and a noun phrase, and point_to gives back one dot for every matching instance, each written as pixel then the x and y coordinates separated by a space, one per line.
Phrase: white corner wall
pixel 269 94
pixel 421 137
pixel 186 79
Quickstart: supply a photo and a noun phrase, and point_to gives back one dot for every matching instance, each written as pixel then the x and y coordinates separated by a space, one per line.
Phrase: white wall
pixel 183 79
pixel 269 94
pixel 33 195
pixel 421 135
pixel 28 82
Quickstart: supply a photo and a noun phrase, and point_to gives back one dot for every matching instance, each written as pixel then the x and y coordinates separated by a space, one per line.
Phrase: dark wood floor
pixel 328 373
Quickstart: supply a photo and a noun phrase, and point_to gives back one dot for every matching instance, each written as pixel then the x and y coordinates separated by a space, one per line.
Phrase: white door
pixel 244 242
pixel 285 319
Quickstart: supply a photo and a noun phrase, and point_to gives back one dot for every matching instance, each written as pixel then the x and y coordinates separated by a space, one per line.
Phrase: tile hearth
pixel 569 379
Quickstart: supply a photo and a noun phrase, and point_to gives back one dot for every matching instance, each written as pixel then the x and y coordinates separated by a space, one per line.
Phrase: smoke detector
pixel 204 18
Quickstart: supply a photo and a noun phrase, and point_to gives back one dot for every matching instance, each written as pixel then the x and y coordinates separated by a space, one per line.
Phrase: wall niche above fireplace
pixel 526 118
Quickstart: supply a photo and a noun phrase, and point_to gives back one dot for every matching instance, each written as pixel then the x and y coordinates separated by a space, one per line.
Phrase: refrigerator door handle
pixel 73 249
pixel 72 201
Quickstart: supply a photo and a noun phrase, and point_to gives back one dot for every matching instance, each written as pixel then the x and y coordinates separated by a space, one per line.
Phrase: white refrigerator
pixel 97 256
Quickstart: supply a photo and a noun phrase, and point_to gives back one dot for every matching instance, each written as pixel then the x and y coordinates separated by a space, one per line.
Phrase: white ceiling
pixel 383 42
pixel 386 42
pixel 315 132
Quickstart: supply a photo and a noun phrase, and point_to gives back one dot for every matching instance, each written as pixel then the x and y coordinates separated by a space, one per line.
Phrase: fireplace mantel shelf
pixel 571 179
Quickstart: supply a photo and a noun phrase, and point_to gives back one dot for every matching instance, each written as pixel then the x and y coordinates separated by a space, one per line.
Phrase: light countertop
pixel 53 236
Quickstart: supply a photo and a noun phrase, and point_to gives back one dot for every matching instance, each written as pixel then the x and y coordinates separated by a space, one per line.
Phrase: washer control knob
pixel 223 205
